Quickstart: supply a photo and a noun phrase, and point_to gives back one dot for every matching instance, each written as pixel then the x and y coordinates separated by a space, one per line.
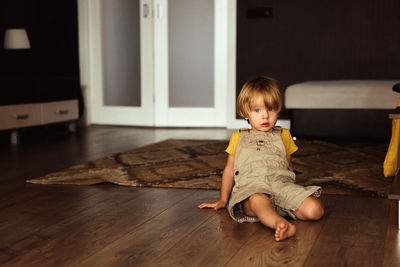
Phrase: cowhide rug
pixel 340 168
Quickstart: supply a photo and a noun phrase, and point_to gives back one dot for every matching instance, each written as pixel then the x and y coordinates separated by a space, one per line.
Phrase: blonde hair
pixel 267 87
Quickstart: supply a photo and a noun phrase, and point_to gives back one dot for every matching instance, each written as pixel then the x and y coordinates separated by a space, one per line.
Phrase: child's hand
pixel 216 205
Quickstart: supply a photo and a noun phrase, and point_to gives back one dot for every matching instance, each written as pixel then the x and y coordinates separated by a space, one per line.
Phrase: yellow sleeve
pixel 288 142
pixel 231 149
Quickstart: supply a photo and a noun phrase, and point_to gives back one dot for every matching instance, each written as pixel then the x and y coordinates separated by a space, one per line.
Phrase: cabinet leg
pixel 14 137
pixel 71 127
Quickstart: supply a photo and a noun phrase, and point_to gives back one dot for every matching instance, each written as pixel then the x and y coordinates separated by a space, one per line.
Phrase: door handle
pixel 145 10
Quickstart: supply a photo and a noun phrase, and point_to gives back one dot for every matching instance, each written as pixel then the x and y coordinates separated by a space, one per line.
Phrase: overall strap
pixel 277 130
pixel 244 131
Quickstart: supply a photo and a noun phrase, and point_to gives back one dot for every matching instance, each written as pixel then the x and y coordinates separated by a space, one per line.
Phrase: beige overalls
pixel 261 166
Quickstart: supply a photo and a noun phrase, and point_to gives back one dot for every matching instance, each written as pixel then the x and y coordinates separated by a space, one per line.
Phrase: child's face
pixel 261 117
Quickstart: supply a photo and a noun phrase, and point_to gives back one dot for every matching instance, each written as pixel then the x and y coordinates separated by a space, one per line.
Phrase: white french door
pixel 158 62
pixel 190 60
pixel 122 62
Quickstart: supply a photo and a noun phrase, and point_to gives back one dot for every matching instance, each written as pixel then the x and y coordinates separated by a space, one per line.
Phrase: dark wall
pixel 50 69
pixel 53 33
pixel 319 40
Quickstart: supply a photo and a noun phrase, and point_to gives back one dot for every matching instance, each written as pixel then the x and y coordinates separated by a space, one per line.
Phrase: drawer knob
pixel 21 116
pixel 62 111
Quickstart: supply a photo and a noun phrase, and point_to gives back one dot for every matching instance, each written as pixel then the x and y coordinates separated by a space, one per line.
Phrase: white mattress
pixel 342 94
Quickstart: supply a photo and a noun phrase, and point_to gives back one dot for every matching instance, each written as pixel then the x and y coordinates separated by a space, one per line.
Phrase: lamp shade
pixel 16 39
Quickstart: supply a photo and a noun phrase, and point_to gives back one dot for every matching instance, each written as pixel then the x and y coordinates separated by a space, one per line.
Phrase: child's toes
pixel 281 231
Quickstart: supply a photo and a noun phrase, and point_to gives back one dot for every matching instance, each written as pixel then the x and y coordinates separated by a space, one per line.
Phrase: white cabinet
pixel 24 115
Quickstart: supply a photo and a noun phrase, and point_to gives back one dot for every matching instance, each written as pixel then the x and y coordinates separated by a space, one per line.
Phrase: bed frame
pixel 341 108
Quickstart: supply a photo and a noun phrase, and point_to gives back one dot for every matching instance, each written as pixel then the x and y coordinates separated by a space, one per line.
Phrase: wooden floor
pixel 109 225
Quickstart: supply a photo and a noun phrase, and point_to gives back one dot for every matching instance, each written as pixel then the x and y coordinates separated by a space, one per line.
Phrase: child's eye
pixel 257 110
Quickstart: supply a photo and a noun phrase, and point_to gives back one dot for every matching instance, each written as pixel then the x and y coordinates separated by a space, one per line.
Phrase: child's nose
pixel 265 114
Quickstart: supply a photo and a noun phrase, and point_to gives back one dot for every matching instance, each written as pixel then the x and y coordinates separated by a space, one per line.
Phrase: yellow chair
pixel 391 165
pixel 392 160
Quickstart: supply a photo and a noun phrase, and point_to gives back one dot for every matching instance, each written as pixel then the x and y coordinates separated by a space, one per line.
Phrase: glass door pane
pixel 121 52
pixel 191 53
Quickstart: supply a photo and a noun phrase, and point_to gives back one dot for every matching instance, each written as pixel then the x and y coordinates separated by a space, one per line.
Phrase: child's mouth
pixel 266 124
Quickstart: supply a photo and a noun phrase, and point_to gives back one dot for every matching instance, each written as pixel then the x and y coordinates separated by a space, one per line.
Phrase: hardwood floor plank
pixel 212 243
pixel 354 234
pixel 25 217
pixel 391 252
pixel 151 240
pixel 27 224
pixel 262 250
pixel 88 234
pixel 25 194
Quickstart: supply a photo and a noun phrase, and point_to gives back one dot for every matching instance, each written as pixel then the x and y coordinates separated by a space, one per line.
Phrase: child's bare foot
pixel 284 230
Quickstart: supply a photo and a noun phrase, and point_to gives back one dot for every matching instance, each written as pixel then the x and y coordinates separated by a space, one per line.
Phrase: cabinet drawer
pixel 59 111
pixel 17 116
